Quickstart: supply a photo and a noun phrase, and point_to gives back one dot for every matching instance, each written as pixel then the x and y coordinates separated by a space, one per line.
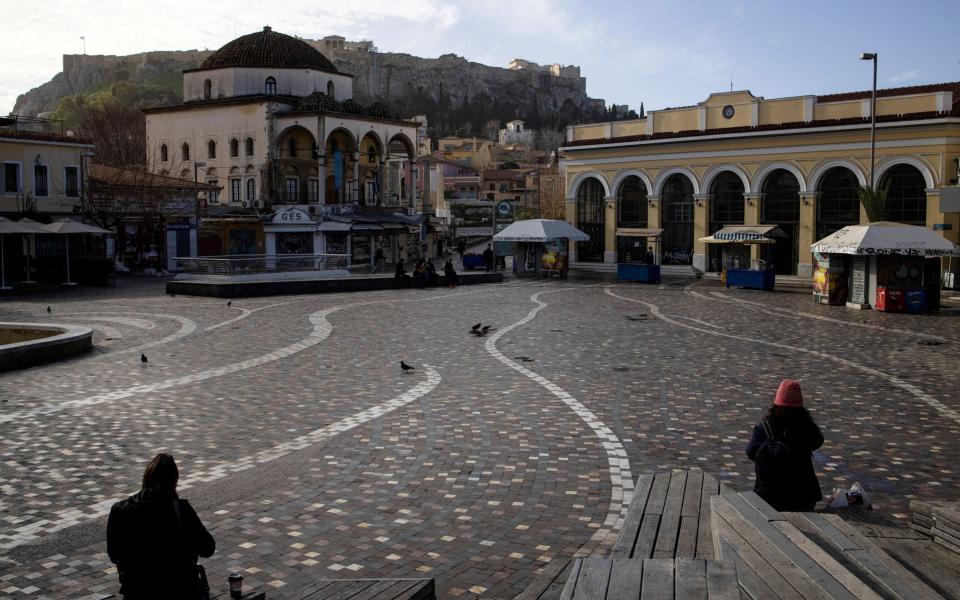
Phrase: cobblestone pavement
pixel 309 455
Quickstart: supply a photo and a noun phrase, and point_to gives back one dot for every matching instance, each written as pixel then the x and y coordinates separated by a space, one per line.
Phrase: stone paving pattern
pixel 478 480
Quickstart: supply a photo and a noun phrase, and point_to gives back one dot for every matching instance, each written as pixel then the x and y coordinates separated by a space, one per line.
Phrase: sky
pixel 664 53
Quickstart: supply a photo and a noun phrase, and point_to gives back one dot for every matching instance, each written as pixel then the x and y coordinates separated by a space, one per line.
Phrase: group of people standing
pixel 425 273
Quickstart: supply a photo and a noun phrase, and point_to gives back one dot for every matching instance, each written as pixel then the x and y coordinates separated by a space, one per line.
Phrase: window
pixel 493 187
pixel 330 89
pixel 291 147
pixel 211 149
pixel 838 204
pixel 906 195
pixel 11 178
pixel 292 185
pixel 185 151
pixel 270 87
pixel 251 189
pixel 235 189
pixel 234 148
pixel 213 196
pixel 676 199
pixel 249 146
pixel 590 220
pixel 163 153
pixel 314 190
pixel 71 182
pixel 632 203
pixel 40 180
pixel 207 89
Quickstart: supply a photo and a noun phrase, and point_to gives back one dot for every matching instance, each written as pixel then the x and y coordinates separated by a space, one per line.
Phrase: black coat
pixel 156 557
pixel 799 489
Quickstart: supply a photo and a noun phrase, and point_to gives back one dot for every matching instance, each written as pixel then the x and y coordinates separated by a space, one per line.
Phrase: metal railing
pixel 251 264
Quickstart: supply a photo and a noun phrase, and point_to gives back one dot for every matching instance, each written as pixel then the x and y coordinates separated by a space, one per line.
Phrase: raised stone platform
pixel 26 344
pixel 246 288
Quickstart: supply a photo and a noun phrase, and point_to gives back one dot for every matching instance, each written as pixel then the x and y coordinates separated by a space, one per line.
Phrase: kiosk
pixel 739 268
pixel 638 255
pixel 541 246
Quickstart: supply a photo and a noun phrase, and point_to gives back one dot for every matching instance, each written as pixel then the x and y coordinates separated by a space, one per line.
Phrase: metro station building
pixel 736 158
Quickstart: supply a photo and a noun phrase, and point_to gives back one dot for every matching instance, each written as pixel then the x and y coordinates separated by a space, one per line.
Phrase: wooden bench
pixel 620 578
pixel 805 556
pixel 359 589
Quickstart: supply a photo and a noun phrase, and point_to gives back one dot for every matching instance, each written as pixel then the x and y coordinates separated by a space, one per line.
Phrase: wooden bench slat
pixel 657 579
pixel 658 494
pixel 571 583
pixel 313 588
pixel 631 525
pixel 749 582
pixel 647 538
pixel 690 579
pixel 687 538
pixel 594 578
pixel 666 544
pixel 705 547
pixel 760 505
pixel 812 579
pixel 386 590
pixel 692 493
pixel 550 575
pixel 341 591
pixel 626 577
pixel 722 580
pixel 936 568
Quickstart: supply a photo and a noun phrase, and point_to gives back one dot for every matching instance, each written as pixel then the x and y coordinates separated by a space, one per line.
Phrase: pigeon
pixel 49 310
pixel 229 302
pixel 405 367
pixel 476 327
pixel 485 329
pixel 173 295
pixel 143 359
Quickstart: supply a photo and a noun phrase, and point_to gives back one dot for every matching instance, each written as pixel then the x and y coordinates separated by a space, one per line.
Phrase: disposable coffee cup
pixel 236 584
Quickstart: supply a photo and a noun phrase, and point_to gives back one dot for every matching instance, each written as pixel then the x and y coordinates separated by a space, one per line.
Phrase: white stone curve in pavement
pixel 621 480
pixel 924 397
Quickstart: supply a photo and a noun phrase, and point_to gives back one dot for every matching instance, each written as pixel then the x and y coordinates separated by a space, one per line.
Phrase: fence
pixel 250 264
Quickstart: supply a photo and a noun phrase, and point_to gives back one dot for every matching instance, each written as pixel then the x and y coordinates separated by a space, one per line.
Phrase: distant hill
pixel 458 96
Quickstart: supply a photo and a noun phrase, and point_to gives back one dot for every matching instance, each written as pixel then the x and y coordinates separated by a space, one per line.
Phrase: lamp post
pixel 196 196
pixel 872 56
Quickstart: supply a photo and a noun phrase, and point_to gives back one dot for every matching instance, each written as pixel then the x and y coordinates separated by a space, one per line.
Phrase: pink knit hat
pixel 789 393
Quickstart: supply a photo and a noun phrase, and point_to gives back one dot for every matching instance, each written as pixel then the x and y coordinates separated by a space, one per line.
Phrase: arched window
pixel 726 208
pixel 270 86
pixel 234 148
pixel 185 151
pixel 781 206
pixel 251 189
pixel 207 89
pixel 906 195
pixel 292 147
pixel 632 203
pixel 838 204
pixel 163 153
pixel 249 146
pixel 330 88
pixel 590 220
pixel 677 201
pixel 211 149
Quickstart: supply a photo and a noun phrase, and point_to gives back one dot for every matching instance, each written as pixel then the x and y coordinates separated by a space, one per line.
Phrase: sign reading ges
pixel 292 216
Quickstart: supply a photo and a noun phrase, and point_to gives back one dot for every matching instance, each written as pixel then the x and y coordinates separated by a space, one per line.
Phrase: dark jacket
pixel 156 557
pixel 798 489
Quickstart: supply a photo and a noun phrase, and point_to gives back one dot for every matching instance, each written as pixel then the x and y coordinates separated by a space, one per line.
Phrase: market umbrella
pixel 540 230
pixel 885 238
pixel 22 227
pixel 67 227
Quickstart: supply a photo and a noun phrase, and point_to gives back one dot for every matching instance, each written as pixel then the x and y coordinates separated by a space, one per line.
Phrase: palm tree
pixel 874 201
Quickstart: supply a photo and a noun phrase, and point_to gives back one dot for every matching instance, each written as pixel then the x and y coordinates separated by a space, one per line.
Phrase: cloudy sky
pixel 663 53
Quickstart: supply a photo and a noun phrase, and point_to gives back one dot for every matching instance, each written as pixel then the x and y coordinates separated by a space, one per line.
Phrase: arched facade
pixel 666 174
pixel 234 148
pixel 591 219
pixel 581 177
pixel 211 149
pixel 726 208
pixel 780 205
pixel 726 171
pixel 270 86
pixel 338 156
pixel 163 153
pixel 760 176
pixel 813 181
pixel 631 202
pixel 185 152
pixel 906 194
pixel 838 204
pixel 676 199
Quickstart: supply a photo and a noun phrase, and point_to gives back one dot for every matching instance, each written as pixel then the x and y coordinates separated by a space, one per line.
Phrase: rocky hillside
pixel 458 96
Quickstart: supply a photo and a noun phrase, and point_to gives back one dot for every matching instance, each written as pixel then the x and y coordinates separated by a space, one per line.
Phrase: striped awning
pixel 639 232
pixel 743 233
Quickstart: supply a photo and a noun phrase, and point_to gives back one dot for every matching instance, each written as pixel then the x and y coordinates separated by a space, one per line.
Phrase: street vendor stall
pixel 541 246
pixel 886 266
pixel 740 269
pixel 638 254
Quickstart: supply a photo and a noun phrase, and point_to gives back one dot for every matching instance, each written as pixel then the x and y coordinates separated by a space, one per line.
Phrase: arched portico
pixel 581 177
pixel 906 187
pixel 591 219
pixel 923 168
pixel 339 156
pixel 713 172
pixel 816 175
pixel 666 174
pixel 759 178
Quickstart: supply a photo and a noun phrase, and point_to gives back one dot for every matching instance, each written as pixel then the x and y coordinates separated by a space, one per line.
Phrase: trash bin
pixel 916 301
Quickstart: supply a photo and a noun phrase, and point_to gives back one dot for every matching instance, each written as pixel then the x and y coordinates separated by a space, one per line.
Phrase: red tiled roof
pixel 267 48
pixel 139 178
pixel 950 86
pixel 502 174
pixel 41 136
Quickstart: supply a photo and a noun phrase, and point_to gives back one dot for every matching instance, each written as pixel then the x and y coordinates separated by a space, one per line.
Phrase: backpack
pixel 772 457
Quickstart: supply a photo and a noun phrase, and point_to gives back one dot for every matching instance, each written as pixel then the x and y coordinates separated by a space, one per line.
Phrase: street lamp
pixel 873 111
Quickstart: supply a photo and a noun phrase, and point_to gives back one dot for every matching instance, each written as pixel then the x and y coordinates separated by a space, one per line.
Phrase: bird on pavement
pixel 229 302
pixel 476 327
pixel 485 329
pixel 405 367
pixel 49 310
pixel 143 359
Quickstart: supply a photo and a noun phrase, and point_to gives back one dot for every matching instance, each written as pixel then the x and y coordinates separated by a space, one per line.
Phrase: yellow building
pixel 473 152
pixel 736 158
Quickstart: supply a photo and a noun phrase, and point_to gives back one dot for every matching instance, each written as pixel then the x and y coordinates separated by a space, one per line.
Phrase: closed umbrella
pixel 21 227
pixel 66 228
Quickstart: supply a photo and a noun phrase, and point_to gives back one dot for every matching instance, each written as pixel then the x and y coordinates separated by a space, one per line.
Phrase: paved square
pixel 308 454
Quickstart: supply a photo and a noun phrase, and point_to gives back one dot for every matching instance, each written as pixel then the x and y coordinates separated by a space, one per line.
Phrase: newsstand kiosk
pixel 638 255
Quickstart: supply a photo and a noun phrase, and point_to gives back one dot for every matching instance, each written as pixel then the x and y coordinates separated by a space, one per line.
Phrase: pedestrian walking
pixel 488 258
pixel 781 448
pixel 450 273
pixel 400 274
pixel 461 248
pixel 154 537
pixel 378 261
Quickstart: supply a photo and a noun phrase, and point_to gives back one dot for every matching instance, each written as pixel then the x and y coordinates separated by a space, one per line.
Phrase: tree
pixel 874 201
pixel 491 129
pixel 548 139
pixel 118 131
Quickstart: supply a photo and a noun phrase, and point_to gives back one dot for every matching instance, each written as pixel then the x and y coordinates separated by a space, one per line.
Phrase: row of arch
pixel 778 190
pixel 234 144
pixel 269 87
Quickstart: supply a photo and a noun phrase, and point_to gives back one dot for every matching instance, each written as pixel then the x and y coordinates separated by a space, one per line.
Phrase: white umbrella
pixel 886 238
pixel 66 227
pixel 23 227
pixel 540 230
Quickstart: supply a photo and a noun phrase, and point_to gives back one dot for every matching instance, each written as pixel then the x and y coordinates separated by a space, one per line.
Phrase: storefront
pixel 541 246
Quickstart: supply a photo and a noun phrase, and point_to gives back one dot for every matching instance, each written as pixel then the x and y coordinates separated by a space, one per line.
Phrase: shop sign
pixel 942 226
pixel 292 216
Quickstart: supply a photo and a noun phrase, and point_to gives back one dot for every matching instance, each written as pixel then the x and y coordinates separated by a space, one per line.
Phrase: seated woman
pixel 399 273
pixel 430 272
pixel 450 273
